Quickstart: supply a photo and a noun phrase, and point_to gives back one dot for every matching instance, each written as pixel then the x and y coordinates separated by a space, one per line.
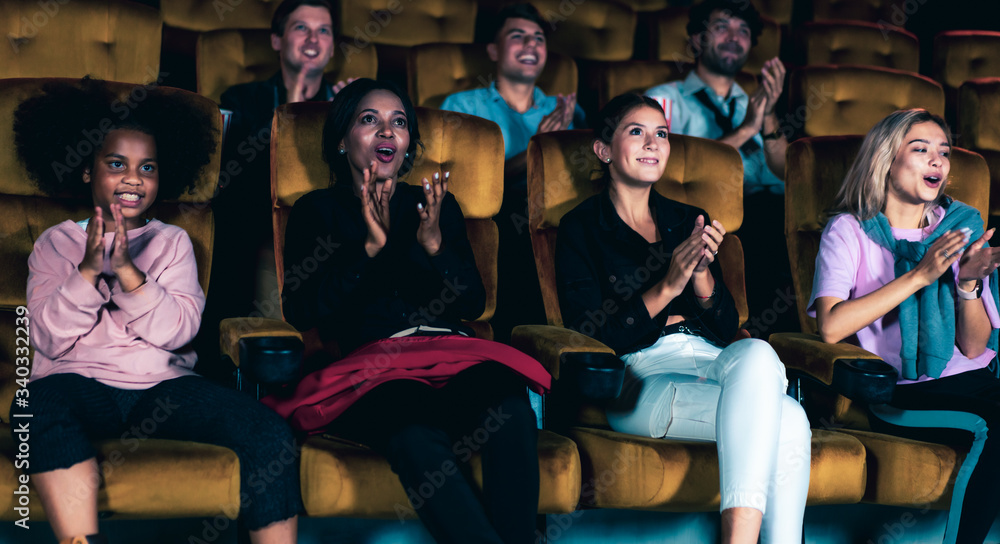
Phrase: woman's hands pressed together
pixel 129 277
pixel 939 257
pixel 429 231
pixel 689 263
pixel 979 260
pixel 375 210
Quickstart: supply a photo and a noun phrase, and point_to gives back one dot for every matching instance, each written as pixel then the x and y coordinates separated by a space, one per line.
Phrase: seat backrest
pixel 437 70
pixel 672 42
pixel 636 76
pixel 201 16
pixel 815 170
pixel 860 43
pixel 230 57
pixel 114 40
pixel 961 55
pixel 877 11
pixel 394 22
pixel 27 212
pixel 563 171
pixel 297 167
pixel 834 100
pixel 978 111
pixel 601 30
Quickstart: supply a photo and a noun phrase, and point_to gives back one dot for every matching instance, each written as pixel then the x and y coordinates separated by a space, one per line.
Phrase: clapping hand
pixel 375 210
pixel 979 260
pixel 561 116
pixel 429 231
pixel 772 83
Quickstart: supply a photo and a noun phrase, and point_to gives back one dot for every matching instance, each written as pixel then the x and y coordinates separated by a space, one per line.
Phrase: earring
pixel 607 161
pixel 342 151
pixel 407 155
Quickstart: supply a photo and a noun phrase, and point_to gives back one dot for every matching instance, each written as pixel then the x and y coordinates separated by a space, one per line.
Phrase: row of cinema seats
pixel 161 479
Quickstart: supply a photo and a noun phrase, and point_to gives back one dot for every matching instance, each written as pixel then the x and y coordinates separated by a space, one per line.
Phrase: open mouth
pixel 648 160
pixel 933 180
pixel 310 52
pixel 385 153
pixel 529 59
pixel 128 199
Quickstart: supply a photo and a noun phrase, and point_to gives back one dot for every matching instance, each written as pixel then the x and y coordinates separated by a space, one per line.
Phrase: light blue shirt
pixel 689 116
pixel 517 128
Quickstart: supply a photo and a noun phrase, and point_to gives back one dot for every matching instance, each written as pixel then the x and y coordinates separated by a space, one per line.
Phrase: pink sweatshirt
pixel 126 340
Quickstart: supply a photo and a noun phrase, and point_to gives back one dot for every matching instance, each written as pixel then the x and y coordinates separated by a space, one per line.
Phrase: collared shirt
pixel 517 128
pixel 691 117
pixel 603 267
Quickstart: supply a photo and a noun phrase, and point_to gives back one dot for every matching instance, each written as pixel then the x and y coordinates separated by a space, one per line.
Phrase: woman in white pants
pixel 637 271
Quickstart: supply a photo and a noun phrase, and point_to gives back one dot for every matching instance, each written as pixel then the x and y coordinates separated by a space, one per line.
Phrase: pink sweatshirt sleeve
pixel 166 310
pixel 62 304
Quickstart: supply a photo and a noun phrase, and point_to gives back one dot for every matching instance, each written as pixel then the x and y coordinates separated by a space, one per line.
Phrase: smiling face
pixel 307 44
pixel 920 169
pixel 379 132
pixel 125 172
pixel 639 148
pixel 519 51
pixel 725 43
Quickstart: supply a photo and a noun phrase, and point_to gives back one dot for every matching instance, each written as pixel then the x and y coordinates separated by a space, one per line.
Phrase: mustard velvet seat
pixel 437 70
pixel 961 55
pixel 142 478
pixel 978 110
pixel 229 57
pixel 860 43
pixel 670 39
pixel 200 16
pixel 115 40
pixel 340 478
pixel 834 100
pixel 621 470
pixel 901 472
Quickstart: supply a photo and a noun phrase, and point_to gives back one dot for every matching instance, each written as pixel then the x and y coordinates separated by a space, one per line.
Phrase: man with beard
pixel 710 104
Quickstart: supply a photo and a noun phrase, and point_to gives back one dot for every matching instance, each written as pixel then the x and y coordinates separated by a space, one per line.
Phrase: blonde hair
pixel 866 185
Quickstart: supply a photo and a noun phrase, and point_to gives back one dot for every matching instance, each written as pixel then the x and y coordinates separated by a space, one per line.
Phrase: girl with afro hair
pixel 115 302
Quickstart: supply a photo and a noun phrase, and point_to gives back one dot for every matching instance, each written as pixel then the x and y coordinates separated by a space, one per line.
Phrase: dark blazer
pixel 603 267
pixel 331 283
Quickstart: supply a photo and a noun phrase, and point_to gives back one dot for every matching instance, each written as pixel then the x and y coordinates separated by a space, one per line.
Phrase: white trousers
pixel 688 388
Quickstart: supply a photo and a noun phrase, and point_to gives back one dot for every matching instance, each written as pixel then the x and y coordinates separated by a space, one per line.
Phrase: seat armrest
pixel 268 352
pixel 847 369
pixel 589 367
pixel 234 329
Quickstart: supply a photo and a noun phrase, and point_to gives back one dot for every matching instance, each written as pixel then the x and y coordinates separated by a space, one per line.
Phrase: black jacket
pixel 603 267
pixel 331 283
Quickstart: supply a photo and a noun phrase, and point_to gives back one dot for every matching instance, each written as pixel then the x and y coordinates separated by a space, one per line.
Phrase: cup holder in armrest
pixel 869 380
pixel 596 376
pixel 271 360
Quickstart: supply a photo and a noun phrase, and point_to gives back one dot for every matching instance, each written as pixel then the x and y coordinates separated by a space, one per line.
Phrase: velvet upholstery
pixel 343 479
pixel 142 478
pixel 395 22
pixel 961 55
pixel 860 43
pixel 832 100
pixel 602 30
pixel 229 57
pixel 633 472
pixel 979 108
pixel 201 16
pixel 116 40
pixel 672 42
pixel 900 472
pixel 436 70
pixel 636 76
pixel 855 10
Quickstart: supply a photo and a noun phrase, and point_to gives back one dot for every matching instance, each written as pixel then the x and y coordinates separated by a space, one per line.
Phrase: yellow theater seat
pixel 876 11
pixel 141 478
pixel 341 478
pixel 439 69
pixel 201 16
pixel 961 55
pixel 115 40
pixel 602 30
pixel 978 111
pixel 832 100
pixel 901 472
pixel 230 57
pixel 860 43
pixel 671 42
pixel 630 472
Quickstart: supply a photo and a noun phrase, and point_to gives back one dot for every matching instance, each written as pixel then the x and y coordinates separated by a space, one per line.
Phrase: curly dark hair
pixel 744 9
pixel 341 115
pixel 58 133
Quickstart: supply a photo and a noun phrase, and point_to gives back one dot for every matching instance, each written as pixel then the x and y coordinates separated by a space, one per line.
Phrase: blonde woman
pixel 906 273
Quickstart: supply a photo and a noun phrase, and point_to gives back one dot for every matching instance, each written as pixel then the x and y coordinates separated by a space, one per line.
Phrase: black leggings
pixel 429 434
pixel 976 392
pixel 69 411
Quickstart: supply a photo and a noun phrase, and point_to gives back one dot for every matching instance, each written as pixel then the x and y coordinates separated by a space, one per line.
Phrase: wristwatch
pixel 970 295
pixel 772 136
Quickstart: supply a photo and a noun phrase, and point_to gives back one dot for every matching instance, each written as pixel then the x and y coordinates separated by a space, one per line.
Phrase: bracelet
pixel 709 296
pixel 772 136
pixel 970 295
